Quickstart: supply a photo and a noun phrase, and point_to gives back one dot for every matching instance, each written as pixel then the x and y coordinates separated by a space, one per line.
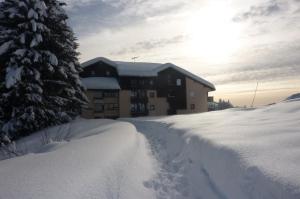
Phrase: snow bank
pixel 84 159
pixel 235 153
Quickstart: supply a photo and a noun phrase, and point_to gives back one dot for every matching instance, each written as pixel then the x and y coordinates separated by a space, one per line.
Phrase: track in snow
pixel 170 182
pixel 180 175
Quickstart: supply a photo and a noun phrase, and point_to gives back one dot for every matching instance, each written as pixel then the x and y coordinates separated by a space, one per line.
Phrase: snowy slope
pixel 103 159
pixel 235 153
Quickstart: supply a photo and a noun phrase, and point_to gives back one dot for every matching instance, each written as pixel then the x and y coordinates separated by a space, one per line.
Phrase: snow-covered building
pixel 130 89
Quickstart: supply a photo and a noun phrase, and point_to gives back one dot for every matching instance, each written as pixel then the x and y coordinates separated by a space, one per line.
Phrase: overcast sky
pixel 232 43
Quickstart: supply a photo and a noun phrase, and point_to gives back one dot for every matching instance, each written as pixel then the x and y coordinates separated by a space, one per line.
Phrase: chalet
pixel 126 89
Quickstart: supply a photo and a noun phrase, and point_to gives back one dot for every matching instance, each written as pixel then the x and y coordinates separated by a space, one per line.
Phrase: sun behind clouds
pixel 213 36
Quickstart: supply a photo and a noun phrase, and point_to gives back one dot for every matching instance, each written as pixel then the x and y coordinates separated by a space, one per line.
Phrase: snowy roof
pixel 107 83
pixel 145 69
pixel 137 68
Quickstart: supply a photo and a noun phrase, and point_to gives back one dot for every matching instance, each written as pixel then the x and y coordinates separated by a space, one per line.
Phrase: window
pixel 138 107
pixel 171 93
pixel 192 93
pixel 111 107
pixel 152 94
pixel 116 107
pixel 98 95
pixel 132 107
pixel 133 82
pixel 142 107
pixel 99 108
pixel 169 80
pixel 152 107
pixel 178 82
pixel 151 82
pixel 141 94
pixel 111 94
pixel 107 73
pixel 138 94
pixel 142 82
pixel 192 106
pixel 93 73
pixel 133 93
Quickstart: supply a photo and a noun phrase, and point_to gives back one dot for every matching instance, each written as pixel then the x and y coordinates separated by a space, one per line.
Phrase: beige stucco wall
pixel 196 94
pixel 89 111
pixel 160 103
pixel 124 99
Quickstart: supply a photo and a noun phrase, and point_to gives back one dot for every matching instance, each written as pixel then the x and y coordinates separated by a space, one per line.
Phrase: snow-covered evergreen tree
pixel 64 89
pixel 39 82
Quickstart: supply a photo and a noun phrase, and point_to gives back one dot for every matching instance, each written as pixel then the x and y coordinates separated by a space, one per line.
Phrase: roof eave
pixel 187 73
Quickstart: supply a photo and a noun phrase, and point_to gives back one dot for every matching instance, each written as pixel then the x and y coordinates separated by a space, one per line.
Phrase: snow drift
pixel 89 159
pixel 236 153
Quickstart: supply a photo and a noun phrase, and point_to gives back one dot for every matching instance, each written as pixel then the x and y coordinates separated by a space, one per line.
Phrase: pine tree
pixel 39 82
pixel 70 96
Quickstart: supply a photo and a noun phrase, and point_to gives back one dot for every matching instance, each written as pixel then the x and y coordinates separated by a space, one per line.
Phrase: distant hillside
pixel 294 96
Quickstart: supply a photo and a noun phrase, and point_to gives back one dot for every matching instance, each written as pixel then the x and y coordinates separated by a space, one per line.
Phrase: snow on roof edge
pixel 102 83
pixel 97 59
pixel 156 70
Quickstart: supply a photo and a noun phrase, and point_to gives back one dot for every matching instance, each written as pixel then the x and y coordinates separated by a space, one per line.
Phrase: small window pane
pixel 133 82
pixel 99 108
pixel 192 94
pixel 151 94
pixel 178 82
pixel 192 106
pixel 152 107
pixel 98 95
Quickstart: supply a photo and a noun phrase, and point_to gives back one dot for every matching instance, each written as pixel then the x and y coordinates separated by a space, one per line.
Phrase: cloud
pixel 151 44
pixel 280 61
pixel 263 10
pixel 261 75
pixel 89 16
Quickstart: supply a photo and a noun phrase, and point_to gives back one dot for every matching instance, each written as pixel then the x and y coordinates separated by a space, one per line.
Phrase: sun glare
pixel 213 36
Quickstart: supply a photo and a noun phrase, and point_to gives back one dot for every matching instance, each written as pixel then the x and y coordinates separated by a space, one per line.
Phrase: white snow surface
pixel 84 159
pixel 101 83
pixel 229 154
pixel 241 153
pixel 13 75
pixel 5 46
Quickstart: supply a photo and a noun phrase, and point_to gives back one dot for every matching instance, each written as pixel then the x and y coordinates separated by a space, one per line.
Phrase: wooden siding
pixel 167 87
pixel 99 69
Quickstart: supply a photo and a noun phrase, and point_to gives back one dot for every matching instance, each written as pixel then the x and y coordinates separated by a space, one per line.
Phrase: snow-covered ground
pixel 232 154
pixel 98 159
pixel 235 153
